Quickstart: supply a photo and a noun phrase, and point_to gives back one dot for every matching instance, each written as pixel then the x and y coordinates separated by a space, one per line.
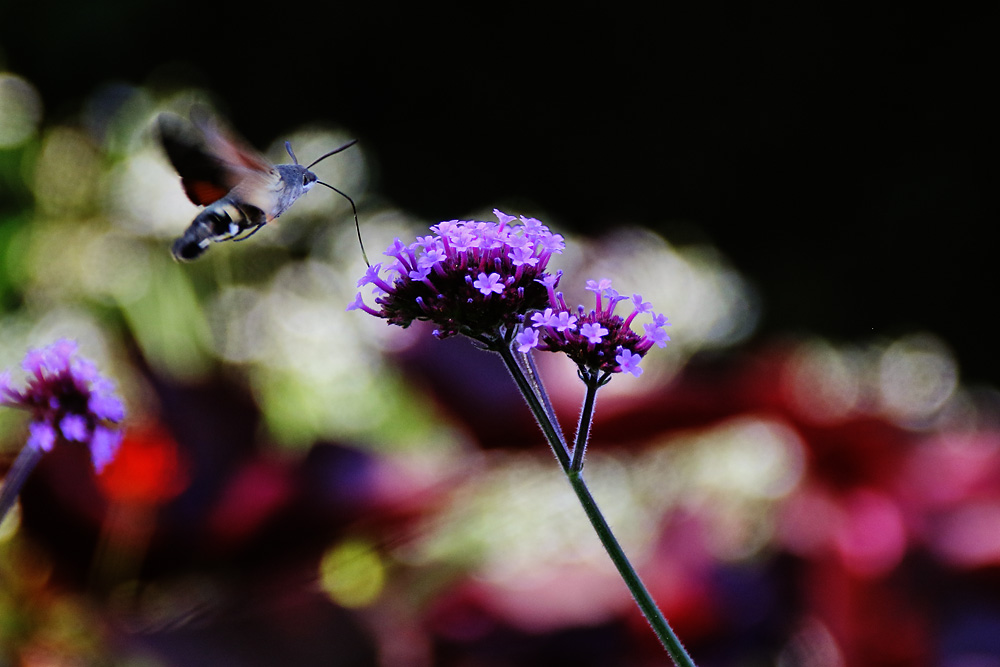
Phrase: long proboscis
pixel 357 224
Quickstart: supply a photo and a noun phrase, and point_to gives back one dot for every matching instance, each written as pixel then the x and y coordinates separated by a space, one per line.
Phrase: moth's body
pixel 240 190
pixel 246 208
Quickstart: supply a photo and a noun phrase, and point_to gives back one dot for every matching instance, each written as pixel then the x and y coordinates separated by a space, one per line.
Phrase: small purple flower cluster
pixel 472 278
pixel 598 340
pixel 69 398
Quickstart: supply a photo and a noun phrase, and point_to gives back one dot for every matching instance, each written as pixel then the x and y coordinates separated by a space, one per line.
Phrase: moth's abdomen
pixel 188 247
pixel 220 221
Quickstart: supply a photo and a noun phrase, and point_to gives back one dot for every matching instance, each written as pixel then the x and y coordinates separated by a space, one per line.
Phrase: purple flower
pixel 544 318
pixel 564 322
pixel 68 399
pixel 599 340
pixel 598 286
pixel 470 277
pixel 41 436
pixel 593 332
pixel 628 362
pixel 488 284
pixel 104 446
pixel 74 427
pixel 526 340
pixel 523 255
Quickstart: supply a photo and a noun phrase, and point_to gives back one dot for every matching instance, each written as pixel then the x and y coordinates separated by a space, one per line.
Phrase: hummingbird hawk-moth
pixel 239 188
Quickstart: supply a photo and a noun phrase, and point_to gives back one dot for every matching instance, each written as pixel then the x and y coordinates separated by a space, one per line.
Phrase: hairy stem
pixel 531 372
pixel 586 419
pixel 552 434
pixel 628 574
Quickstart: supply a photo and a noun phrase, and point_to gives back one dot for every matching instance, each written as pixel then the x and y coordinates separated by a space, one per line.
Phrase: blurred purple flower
pixel 67 398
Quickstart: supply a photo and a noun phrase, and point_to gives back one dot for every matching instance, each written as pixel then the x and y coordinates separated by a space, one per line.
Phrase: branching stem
pixel 574 472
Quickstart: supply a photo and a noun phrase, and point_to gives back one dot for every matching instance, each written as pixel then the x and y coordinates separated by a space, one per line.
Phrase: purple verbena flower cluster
pixel 473 278
pixel 597 340
pixel 67 398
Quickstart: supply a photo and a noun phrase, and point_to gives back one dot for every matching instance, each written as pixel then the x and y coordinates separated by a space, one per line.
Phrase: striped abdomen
pixel 220 221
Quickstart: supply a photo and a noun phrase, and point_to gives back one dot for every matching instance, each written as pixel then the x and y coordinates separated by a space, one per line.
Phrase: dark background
pixel 845 160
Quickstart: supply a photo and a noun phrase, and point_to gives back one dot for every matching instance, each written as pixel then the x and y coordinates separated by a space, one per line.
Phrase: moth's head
pixel 296 175
pixel 307 178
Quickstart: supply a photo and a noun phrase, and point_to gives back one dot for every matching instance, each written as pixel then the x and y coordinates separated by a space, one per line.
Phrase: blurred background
pixel 808 475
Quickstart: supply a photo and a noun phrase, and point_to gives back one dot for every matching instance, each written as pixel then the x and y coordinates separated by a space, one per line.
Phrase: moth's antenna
pixel 323 157
pixel 291 154
pixel 357 225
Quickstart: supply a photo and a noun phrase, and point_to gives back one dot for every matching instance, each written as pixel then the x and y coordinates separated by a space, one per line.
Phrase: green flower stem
pixel 531 371
pixel 586 418
pixel 16 477
pixel 574 472
pixel 552 434
pixel 628 574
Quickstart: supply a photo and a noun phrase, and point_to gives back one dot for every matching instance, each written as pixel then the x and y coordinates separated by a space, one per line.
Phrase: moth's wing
pixel 205 178
pixel 260 184
pixel 225 144
pixel 209 164
pixel 261 190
